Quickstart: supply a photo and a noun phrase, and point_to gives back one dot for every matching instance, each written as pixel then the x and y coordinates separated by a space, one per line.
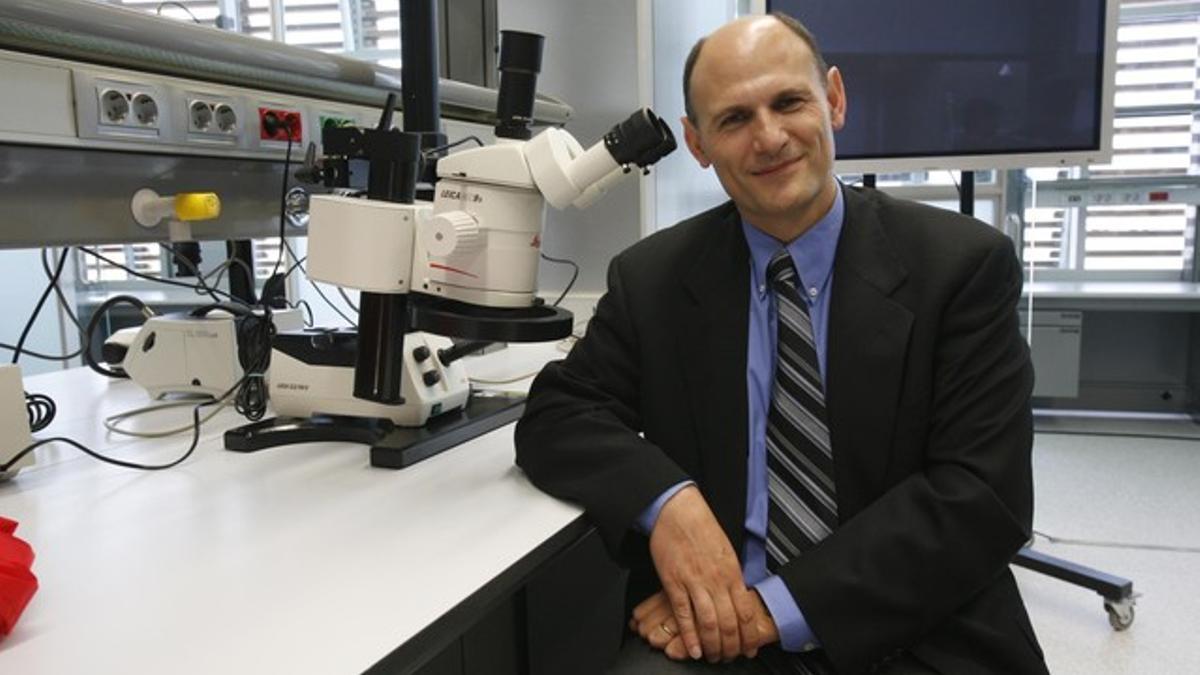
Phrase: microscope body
pixel 466 263
pixel 368 245
pixel 478 243
pixel 463 265
pixel 482 240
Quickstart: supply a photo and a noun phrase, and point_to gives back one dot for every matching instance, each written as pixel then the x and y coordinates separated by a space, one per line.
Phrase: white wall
pixel 681 187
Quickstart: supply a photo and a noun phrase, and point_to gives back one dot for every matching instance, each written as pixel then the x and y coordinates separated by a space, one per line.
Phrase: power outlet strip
pixel 14 420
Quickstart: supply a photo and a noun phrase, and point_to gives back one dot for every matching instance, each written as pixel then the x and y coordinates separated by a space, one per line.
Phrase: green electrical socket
pixel 328 121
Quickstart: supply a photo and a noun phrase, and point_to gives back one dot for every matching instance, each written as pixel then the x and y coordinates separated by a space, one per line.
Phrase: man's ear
pixel 835 92
pixel 692 137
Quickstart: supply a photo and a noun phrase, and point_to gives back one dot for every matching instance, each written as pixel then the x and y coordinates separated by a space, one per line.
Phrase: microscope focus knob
pixel 453 232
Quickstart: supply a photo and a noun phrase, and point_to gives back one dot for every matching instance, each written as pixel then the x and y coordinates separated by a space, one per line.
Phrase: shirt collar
pixel 812 252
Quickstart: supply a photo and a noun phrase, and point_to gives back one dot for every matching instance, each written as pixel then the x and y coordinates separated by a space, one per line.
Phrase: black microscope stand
pixel 392 446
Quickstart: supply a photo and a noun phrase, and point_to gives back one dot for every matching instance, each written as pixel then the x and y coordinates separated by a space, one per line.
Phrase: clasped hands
pixel 704 609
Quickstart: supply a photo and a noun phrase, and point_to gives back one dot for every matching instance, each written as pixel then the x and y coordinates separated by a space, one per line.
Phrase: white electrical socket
pixel 14 420
pixel 212 115
pixel 128 108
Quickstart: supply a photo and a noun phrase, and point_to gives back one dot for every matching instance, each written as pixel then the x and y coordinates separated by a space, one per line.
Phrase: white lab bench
pixel 300 559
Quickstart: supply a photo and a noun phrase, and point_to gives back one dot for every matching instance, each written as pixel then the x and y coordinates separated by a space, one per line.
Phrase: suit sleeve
pixel 893 571
pixel 579 438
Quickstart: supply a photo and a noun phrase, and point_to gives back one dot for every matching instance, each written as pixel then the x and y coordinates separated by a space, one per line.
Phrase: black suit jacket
pixel 927 392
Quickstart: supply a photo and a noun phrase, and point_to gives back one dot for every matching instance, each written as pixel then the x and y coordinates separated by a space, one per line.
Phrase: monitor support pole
pixel 966 194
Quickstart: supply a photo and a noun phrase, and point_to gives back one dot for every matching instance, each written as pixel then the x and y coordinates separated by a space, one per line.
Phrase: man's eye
pixel 730 120
pixel 790 103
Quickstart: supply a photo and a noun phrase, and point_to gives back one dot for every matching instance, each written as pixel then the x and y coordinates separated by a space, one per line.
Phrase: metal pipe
pixel 103 34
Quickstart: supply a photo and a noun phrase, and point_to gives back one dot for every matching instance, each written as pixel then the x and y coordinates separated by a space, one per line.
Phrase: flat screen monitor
pixel 968 84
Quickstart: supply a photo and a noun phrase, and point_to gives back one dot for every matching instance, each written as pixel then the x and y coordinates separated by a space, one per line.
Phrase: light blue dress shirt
pixel 813 254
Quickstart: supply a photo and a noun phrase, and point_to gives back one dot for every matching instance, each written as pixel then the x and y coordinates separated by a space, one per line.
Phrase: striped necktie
pixel 802 509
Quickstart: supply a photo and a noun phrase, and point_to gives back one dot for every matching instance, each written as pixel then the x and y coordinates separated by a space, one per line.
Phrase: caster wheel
pixel 1120 614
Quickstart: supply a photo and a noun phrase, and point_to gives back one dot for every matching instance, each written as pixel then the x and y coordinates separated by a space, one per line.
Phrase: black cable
pixel 346 297
pixel 41 410
pixel 245 266
pixel 274 288
pixel 191 267
pixel 120 462
pixel 62 298
pixel 317 288
pixel 37 309
pixel 255 333
pixel 147 277
pixel 957 187
pixel 574 275
pixel 180 5
pixel 44 357
pixel 451 146
pixel 220 270
pixel 202 281
pixel 332 306
pixel 309 319
pixel 97 315
pixel 62 301
pixel 296 265
pixel 287 160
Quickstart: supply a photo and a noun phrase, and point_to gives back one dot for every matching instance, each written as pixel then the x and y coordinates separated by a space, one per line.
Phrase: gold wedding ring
pixel 666 629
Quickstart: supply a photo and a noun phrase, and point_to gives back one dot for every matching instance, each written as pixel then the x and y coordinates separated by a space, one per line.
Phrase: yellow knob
pixel 197 206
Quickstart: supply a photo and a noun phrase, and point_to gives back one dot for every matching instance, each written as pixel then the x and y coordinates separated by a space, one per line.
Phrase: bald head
pixel 728 36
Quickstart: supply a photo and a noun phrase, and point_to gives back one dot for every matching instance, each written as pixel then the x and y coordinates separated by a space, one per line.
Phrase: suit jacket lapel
pixel 867 342
pixel 712 346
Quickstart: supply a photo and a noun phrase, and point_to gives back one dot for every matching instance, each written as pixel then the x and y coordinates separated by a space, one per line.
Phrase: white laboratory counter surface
pixel 298 559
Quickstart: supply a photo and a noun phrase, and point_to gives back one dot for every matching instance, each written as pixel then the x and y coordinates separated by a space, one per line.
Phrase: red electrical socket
pixel 275 124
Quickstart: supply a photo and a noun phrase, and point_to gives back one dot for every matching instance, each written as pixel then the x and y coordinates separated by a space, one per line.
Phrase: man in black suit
pixel 801 418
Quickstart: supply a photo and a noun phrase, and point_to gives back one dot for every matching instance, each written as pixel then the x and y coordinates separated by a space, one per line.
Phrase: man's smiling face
pixel 765 119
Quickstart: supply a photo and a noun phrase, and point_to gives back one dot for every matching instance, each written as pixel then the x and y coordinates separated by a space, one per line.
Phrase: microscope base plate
pixel 392 447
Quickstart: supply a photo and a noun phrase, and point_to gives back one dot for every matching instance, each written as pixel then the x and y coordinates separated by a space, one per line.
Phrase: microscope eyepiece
pixel 642 139
pixel 520 63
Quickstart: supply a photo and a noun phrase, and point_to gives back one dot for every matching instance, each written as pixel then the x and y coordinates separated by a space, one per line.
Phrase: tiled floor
pixel 1129 490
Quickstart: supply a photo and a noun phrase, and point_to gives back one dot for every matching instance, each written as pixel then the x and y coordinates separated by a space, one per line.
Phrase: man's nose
pixel 769 136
